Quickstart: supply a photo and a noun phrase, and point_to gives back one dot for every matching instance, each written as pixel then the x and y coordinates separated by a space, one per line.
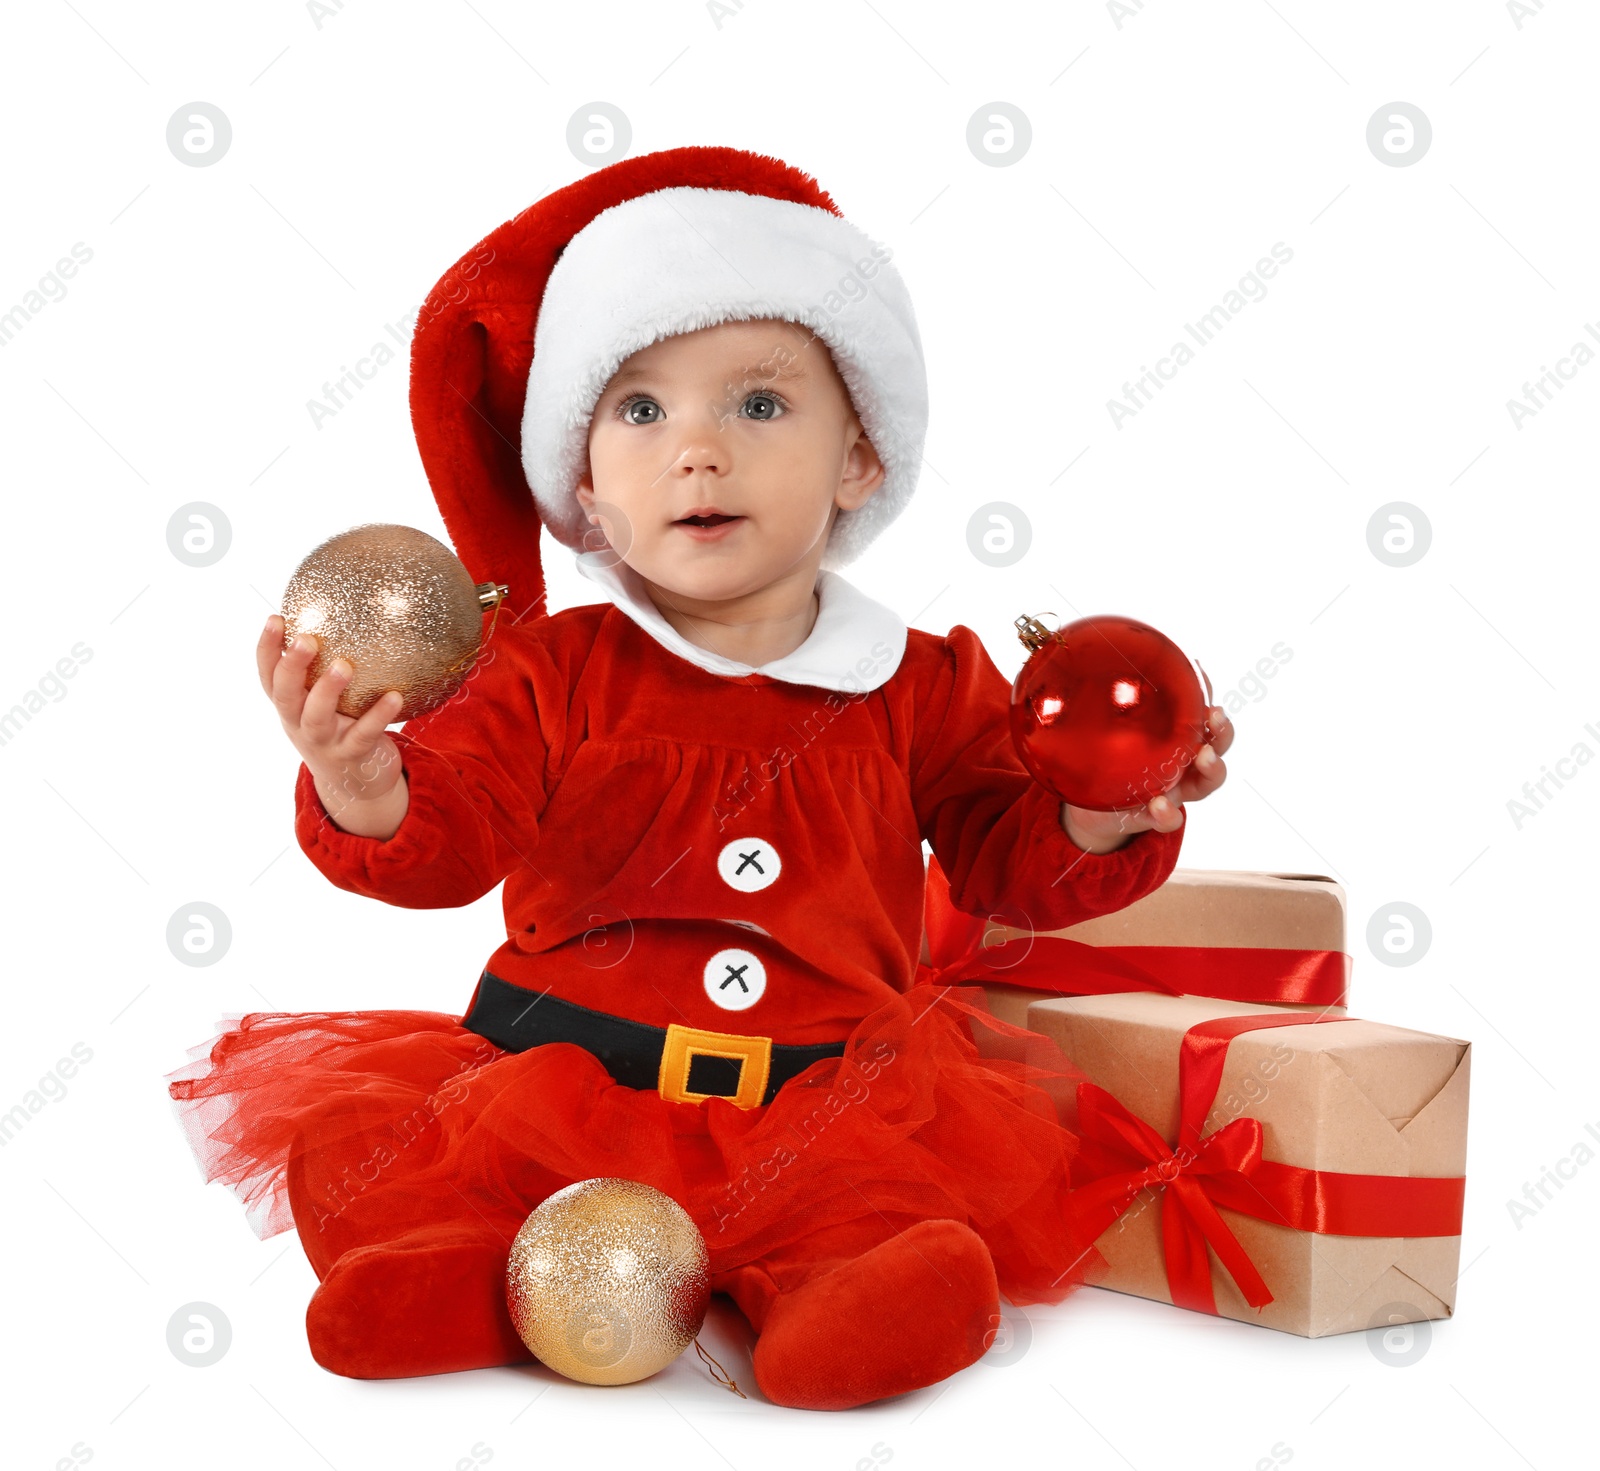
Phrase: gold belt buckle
pixel 754 1055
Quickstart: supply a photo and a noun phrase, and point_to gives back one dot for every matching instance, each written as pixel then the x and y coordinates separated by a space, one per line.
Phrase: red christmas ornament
pixel 1107 712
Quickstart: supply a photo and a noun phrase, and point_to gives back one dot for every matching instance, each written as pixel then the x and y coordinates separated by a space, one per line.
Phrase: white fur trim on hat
pixel 677 260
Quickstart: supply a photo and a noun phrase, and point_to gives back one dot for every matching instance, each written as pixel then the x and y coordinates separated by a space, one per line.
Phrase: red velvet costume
pixel 735 853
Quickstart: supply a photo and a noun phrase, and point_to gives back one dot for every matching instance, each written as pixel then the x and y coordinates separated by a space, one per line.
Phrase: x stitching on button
pixel 735 973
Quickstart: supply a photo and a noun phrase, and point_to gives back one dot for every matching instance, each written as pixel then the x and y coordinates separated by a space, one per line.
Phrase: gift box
pixel 1271 938
pixel 1302 1171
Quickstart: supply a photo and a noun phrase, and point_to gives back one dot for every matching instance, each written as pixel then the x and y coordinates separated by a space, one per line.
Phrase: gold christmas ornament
pixel 608 1281
pixel 398 604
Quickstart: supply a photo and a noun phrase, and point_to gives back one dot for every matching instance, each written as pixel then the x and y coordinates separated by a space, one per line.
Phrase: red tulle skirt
pixel 358 1126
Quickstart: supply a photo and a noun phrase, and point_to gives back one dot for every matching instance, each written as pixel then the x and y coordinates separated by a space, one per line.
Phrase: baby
pixel 707 798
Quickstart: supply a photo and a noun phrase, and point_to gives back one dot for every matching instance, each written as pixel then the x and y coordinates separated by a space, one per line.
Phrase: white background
pixel 1168 155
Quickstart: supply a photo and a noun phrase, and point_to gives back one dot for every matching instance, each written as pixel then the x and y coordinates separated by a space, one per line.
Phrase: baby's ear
pixel 863 474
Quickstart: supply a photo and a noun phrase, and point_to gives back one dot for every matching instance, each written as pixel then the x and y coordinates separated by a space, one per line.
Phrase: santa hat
pixel 519 338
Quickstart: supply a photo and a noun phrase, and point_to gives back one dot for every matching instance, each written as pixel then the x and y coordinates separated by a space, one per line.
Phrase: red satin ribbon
pixel 1062 966
pixel 1069 967
pixel 1122 1155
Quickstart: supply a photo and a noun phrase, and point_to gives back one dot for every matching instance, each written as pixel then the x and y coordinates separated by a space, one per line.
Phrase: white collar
pixel 838 654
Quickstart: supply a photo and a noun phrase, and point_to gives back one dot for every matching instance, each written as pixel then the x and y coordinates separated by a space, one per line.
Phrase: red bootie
pixel 432 1302
pixel 909 1312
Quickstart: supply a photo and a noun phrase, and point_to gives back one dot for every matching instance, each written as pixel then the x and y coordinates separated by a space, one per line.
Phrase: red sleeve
pixel 478 772
pixel 996 831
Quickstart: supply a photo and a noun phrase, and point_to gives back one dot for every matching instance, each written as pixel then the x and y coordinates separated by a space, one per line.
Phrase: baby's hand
pixel 1100 832
pixel 355 765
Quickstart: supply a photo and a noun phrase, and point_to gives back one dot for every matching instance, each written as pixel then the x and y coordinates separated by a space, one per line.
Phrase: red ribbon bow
pixel 1189 1220
pixel 1122 1155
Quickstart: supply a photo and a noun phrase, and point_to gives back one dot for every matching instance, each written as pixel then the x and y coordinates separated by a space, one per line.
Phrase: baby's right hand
pixel 350 759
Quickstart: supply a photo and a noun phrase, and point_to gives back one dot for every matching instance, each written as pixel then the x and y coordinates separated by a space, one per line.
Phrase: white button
pixel 748 864
pixel 735 979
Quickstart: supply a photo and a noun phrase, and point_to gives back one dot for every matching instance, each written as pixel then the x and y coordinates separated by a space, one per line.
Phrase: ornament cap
pixel 491 594
pixel 1034 634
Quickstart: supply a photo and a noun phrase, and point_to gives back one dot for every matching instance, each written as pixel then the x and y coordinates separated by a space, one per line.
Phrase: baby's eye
pixel 652 410
pixel 764 406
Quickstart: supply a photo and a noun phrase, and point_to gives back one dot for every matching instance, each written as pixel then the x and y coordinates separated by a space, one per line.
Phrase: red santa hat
pixel 517 341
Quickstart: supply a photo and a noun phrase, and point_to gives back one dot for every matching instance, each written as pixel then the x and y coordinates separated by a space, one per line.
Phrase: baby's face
pixel 749 418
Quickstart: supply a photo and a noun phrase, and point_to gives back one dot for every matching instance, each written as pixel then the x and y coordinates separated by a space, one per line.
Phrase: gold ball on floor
pixel 608 1281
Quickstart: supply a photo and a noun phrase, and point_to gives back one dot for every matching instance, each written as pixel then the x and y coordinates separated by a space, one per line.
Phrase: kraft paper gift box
pixel 1294 923
pixel 1351 1125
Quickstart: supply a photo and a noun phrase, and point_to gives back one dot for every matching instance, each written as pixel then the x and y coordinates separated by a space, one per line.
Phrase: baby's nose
pixel 699 457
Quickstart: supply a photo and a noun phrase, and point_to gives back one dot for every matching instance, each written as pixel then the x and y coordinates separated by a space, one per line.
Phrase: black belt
pixel 684 1064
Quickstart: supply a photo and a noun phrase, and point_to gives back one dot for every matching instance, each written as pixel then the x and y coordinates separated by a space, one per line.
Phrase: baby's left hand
pixel 1101 832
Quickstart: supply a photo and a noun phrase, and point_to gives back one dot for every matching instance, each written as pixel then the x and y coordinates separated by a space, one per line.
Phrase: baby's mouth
pixel 716 520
